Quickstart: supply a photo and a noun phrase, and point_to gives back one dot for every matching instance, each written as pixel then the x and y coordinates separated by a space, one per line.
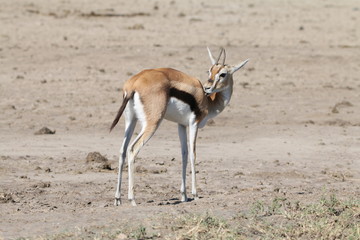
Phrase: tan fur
pixel 215 70
pixel 212 96
pixel 155 94
pixel 152 86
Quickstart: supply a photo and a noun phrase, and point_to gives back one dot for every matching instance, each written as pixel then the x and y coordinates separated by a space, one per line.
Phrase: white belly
pixel 178 111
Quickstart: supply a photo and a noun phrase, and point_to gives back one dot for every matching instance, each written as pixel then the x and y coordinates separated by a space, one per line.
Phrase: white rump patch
pixel 139 110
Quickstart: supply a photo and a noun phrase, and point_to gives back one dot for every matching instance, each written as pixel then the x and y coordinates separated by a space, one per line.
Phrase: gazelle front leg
pixel 193 129
pixel 184 155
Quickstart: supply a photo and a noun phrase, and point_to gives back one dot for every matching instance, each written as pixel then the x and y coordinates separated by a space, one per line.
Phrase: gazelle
pixel 155 94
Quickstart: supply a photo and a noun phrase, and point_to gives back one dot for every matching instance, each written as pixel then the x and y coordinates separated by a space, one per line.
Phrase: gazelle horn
pixel 223 63
pixel 213 61
pixel 221 51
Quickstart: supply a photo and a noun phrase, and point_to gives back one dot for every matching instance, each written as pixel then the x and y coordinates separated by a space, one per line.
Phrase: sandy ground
pixel 292 128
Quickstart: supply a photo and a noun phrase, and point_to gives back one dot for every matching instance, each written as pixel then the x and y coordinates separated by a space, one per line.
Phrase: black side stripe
pixel 186 98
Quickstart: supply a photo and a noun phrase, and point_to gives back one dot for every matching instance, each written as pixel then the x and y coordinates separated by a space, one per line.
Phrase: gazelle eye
pixel 223 75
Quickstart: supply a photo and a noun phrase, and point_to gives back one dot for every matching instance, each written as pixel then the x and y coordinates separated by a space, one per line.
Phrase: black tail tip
pixel 111 128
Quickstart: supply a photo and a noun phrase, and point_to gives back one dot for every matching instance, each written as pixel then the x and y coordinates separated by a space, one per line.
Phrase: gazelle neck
pixel 219 100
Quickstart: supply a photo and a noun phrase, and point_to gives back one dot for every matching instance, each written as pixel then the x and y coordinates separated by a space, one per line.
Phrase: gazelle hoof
pixel 117 202
pixel 133 203
pixel 184 198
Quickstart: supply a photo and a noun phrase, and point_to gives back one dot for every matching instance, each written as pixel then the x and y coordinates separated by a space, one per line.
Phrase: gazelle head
pixel 220 74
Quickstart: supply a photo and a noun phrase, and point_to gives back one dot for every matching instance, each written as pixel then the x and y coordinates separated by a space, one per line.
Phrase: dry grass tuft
pixel 328 218
pixel 202 227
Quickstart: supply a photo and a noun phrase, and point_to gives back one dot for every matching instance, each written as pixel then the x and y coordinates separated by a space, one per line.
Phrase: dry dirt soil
pixel 292 128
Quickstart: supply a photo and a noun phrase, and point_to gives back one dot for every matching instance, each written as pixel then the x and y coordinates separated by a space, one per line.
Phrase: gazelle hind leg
pixel 149 125
pixel 130 123
pixel 146 133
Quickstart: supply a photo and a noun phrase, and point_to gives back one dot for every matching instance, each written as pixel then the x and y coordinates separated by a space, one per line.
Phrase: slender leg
pixel 146 133
pixel 193 128
pixel 184 154
pixel 130 123
pixel 149 123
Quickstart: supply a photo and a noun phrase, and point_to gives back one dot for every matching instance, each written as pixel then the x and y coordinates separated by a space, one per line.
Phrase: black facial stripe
pixel 186 98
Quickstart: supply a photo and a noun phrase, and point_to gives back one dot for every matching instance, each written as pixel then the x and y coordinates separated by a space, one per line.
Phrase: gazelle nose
pixel 207 90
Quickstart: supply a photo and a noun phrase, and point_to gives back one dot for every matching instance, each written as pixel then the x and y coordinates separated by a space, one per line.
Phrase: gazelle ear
pixel 213 61
pixel 238 66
